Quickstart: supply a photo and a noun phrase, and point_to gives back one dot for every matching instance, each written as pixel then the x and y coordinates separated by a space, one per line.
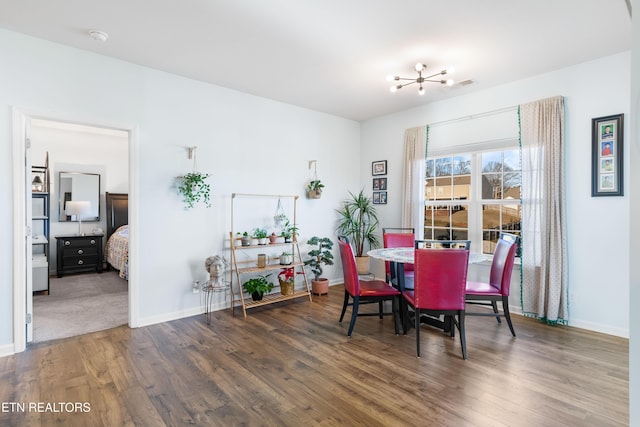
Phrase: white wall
pixel 597 227
pixel 248 144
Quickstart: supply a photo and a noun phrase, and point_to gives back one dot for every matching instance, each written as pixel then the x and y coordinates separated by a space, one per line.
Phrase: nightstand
pixel 79 253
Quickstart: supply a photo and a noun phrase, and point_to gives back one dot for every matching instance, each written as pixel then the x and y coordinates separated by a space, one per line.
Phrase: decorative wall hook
pixel 192 152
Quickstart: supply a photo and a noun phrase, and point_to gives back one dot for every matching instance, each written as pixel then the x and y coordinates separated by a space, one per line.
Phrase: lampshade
pixel 81 209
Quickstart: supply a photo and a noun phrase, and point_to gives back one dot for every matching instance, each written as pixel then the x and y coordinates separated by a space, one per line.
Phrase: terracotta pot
pixel 362 264
pixel 273 238
pixel 320 286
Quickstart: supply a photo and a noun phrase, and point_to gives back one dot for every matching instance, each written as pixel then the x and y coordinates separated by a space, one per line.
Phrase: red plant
pixel 286 274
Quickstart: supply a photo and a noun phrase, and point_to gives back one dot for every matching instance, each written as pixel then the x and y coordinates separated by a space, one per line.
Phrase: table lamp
pixel 79 209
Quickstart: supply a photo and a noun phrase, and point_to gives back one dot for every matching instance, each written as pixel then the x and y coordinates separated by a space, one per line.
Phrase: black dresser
pixel 79 253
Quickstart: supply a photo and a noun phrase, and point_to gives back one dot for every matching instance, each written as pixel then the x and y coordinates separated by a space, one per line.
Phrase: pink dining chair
pixel 363 291
pixel 498 287
pixel 440 279
pixel 398 238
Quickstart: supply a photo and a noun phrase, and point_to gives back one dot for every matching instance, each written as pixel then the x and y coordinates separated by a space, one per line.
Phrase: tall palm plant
pixel 358 221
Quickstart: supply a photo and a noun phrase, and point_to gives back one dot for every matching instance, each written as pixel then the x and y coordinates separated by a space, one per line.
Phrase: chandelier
pixel 420 68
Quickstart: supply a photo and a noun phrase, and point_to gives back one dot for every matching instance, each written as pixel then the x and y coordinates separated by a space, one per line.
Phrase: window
pixel 473 196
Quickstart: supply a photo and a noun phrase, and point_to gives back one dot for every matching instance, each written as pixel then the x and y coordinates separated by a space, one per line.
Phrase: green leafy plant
pixel 358 221
pixel 289 229
pixel 194 189
pixel 260 233
pixel 319 255
pixel 258 285
pixel 315 185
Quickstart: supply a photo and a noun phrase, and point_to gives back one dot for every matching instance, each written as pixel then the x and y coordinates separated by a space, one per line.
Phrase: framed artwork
pixel 379 197
pixel 379 184
pixel 606 156
pixel 379 167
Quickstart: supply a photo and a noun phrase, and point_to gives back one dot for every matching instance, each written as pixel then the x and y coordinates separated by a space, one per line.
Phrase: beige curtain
pixel 415 153
pixel 544 246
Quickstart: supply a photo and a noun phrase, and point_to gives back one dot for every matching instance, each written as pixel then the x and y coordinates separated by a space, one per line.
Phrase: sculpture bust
pixel 216 266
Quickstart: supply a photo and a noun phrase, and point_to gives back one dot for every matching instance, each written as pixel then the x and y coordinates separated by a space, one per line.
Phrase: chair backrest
pixel 503 258
pixel 440 278
pixel 398 238
pixel 443 244
pixel 349 268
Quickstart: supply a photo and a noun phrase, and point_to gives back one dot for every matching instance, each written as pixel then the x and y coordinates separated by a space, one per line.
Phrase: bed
pixel 117 247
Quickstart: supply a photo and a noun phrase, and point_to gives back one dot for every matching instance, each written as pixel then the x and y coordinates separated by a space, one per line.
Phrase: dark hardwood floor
pixel 292 365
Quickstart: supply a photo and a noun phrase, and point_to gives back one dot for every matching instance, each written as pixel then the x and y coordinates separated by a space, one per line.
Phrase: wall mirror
pixel 76 187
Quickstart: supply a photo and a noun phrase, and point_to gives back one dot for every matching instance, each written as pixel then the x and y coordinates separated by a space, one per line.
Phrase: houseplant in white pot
pixel 318 256
pixel 358 221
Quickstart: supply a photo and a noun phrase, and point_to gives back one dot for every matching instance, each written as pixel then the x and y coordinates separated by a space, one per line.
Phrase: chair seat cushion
pixel 480 288
pixel 376 288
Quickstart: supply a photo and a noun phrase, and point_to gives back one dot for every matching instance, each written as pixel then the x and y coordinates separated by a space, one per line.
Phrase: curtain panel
pixel 544 241
pixel 415 154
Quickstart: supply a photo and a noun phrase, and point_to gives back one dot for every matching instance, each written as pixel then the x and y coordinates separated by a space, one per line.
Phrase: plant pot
pixel 257 296
pixel 314 194
pixel 362 264
pixel 285 259
pixel 246 241
pixel 287 288
pixel 320 286
pixel 273 239
pixel 263 240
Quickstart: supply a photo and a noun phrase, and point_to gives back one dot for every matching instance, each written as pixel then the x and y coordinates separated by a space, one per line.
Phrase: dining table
pixel 397 258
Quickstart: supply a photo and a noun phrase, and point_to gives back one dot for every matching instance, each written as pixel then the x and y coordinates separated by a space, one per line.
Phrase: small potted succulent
pixel 285 258
pixel 289 231
pixel 257 286
pixel 245 239
pixel 318 256
pixel 314 189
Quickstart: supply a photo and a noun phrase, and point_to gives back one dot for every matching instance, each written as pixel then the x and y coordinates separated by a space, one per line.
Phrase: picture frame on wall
pixel 379 197
pixel 379 184
pixel 606 156
pixel 379 167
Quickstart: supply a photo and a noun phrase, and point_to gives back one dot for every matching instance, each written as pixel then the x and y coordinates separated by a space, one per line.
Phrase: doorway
pixel 24 124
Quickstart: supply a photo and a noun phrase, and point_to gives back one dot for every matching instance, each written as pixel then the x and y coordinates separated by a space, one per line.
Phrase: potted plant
pixel 289 231
pixel 358 221
pixel 273 238
pixel 261 235
pixel 318 256
pixel 287 279
pixel 245 239
pixel 194 189
pixel 285 258
pixel 314 189
pixel 257 286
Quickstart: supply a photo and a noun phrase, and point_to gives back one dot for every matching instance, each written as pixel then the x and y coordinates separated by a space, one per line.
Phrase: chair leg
pixel 380 309
pixel 463 337
pixel 507 315
pixel 396 311
pixel 417 311
pixel 404 315
pixel 344 306
pixel 354 314
pixel 494 304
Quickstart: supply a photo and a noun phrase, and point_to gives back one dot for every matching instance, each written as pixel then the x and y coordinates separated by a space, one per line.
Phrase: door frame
pixel 20 119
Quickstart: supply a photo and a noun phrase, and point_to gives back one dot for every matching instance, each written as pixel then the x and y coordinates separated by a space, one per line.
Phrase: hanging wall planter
pixel 193 186
pixel 314 187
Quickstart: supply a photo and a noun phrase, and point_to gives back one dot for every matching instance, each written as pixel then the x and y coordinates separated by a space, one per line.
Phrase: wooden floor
pixel 292 365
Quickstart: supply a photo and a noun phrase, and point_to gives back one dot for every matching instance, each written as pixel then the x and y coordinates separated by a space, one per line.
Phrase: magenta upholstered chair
pixel 440 279
pixel 363 291
pixel 398 238
pixel 498 287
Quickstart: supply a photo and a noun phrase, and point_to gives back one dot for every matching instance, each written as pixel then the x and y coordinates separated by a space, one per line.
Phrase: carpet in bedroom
pixel 79 304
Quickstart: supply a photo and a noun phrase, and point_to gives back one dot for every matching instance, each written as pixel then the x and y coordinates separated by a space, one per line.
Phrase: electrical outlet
pixel 196 286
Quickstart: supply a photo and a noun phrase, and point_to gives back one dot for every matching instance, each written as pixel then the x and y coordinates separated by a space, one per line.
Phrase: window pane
pixel 492 162
pixel 430 169
pixel 443 166
pixel 512 160
pixel 428 216
pixel 462 165
pixel 441 234
pixel 459 216
pixel 443 188
pixel 441 216
pixel 491 186
pixel 489 241
pixel 462 187
pixel 430 189
pixel 459 235
pixel 428 233
pixel 512 185
pixel 490 217
pixel 510 217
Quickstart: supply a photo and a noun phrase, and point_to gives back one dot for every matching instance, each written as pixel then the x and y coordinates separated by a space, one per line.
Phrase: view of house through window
pixel 473 196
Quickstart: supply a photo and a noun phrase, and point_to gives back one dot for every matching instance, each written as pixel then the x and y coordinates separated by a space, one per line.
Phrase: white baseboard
pixel 7 350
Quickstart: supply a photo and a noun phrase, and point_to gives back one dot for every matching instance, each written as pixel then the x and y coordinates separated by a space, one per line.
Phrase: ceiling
pixel 333 55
